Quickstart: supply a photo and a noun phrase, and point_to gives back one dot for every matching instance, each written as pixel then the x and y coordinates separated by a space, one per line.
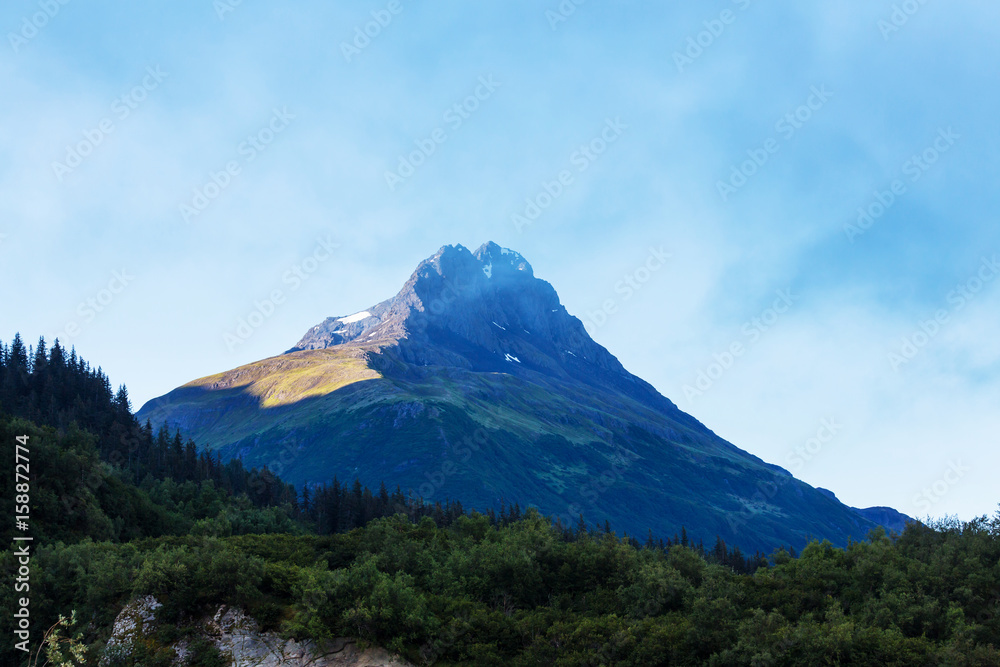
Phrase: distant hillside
pixel 886 517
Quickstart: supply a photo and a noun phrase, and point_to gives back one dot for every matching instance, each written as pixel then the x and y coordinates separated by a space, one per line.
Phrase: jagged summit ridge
pixel 452 274
pixel 505 259
pixel 455 290
pixel 481 311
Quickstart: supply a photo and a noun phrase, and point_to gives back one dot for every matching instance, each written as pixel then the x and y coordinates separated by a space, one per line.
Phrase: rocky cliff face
pixel 133 624
pixel 239 639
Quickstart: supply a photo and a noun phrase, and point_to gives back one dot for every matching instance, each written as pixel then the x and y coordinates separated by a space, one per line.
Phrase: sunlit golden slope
pixel 290 378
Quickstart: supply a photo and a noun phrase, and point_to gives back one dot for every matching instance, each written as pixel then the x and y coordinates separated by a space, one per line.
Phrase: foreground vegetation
pixel 520 594
pixel 435 583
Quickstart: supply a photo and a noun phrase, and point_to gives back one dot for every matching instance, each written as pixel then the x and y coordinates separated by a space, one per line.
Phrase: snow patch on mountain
pixel 356 317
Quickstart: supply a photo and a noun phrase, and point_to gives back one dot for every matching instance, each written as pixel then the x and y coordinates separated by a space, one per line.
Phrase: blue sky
pixel 177 163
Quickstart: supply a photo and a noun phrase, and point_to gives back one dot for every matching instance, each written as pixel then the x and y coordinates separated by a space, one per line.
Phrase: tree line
pixel 51 387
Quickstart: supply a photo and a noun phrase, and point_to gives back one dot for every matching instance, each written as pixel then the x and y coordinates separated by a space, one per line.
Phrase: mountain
pixel 890 519
pixel 474 383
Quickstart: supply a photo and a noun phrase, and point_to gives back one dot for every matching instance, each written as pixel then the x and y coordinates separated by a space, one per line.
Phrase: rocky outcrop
pixel 133 624
pixel 239 638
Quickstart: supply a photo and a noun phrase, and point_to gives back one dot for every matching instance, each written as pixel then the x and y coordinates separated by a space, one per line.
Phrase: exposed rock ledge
pixel 239 638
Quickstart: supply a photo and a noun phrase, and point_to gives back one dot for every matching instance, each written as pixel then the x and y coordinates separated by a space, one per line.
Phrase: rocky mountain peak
pixel 483 311
pixel 498 260
pixel 454 265
pixel 455 290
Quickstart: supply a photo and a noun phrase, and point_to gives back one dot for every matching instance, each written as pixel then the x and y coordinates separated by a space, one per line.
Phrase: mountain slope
pixel 887 517
pixel 475 383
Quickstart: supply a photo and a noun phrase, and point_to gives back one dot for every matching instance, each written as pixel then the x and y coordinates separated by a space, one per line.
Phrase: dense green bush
pixel 521 594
